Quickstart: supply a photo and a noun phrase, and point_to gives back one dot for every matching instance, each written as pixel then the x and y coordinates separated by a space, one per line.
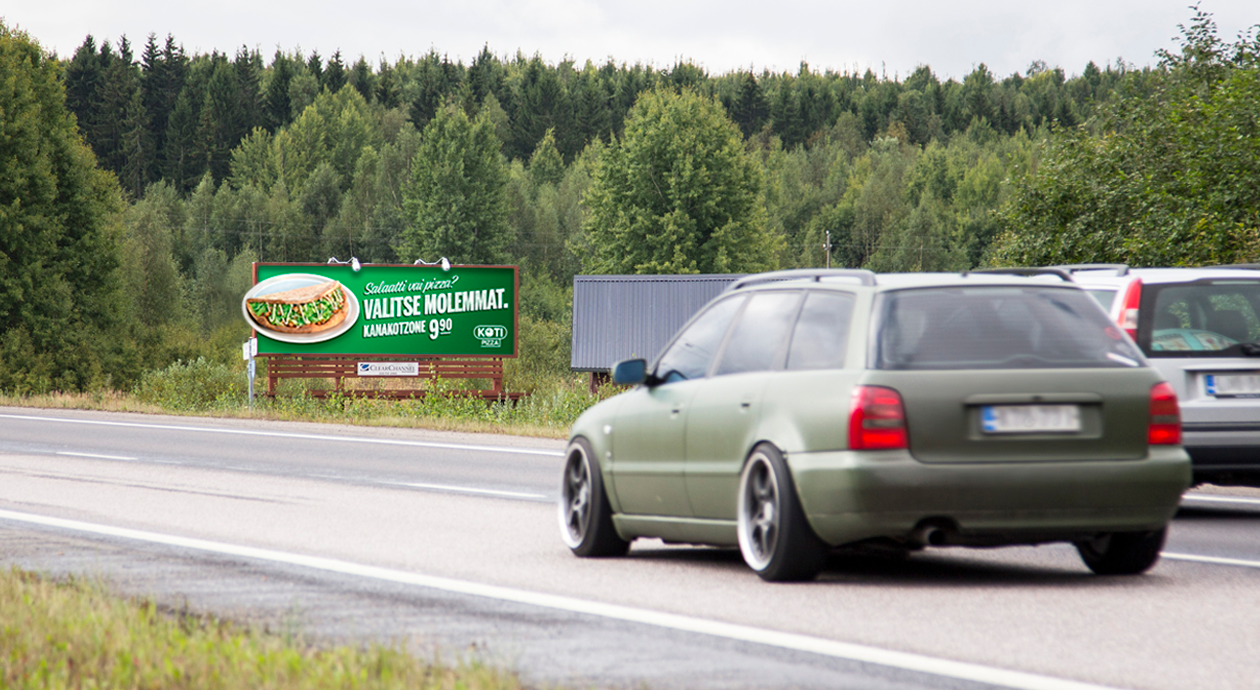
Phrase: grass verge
pixel 202 388
pixel 75 634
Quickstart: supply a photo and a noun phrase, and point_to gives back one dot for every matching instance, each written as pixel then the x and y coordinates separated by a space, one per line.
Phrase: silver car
pixel 1199 327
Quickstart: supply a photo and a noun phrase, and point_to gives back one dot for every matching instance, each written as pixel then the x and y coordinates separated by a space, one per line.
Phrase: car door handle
pixel 745 405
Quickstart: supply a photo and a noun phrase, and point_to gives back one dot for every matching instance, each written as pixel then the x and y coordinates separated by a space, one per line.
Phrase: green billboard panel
pixel 383 309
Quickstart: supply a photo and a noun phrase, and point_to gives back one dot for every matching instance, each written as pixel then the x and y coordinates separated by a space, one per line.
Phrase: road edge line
pixel 792 641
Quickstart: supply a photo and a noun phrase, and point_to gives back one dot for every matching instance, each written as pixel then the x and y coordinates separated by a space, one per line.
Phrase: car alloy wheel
pixel 774 537
pixel 576 499
pixel 759 512
pixel 585 516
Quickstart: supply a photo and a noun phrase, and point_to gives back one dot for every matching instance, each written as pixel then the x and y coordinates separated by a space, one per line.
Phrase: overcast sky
pixel 891 37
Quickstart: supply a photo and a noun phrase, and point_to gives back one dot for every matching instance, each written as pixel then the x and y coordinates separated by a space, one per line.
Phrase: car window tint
pixel 760 333
pixel 1202 319
pixel 998 328
pixel 689 356
pixel 822 332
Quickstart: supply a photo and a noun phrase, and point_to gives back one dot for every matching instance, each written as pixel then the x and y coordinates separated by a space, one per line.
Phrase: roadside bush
pixel 193 385
pixel 544 356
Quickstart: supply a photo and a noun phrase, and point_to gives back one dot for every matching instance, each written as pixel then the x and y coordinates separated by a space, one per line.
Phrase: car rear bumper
pixel 1223 447
pixel 850 496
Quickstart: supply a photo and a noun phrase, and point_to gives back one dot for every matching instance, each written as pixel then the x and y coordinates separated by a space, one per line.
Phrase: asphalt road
pixel 450 542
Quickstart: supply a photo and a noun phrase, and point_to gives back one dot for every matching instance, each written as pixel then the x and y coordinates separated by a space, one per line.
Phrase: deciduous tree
pixel 677 194
pixel 456 198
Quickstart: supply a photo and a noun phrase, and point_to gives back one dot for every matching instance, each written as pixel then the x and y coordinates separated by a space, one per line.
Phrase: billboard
pixel 383 309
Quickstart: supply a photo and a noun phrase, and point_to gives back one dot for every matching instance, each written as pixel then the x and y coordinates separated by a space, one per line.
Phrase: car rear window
pixel 998 327
pixel 1200 319
pixel 1104 296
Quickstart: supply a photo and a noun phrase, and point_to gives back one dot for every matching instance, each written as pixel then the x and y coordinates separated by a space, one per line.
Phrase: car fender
pixel 596 426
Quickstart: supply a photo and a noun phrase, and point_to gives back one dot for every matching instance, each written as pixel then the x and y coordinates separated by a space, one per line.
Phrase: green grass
pixel 207 388
pixel 75 634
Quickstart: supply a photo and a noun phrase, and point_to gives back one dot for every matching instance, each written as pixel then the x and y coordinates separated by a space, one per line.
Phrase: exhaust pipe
pixel 929 535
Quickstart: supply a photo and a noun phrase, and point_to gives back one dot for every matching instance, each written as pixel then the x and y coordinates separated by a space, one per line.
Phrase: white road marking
pixel 307 437
pixel 832 648
pixel 1222 499
pixel 95 455
pixel 1214 560
pixel 465 489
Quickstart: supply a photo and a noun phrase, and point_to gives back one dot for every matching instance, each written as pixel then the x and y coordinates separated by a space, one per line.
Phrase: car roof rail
pixel 1120 269
pixel 1026 272
pixel 1251 267
pixel 863 276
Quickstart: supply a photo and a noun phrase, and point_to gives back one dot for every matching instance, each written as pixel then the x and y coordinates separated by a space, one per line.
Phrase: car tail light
pixel 1165 428
pixel 1128 317
pixel 877 419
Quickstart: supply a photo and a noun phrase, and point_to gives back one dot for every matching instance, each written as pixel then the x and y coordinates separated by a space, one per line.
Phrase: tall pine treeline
pixel 165 115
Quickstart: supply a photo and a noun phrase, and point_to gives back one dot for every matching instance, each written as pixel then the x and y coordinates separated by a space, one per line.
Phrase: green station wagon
pixel 805 410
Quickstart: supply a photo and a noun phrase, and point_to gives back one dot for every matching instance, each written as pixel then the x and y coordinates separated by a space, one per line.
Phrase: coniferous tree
pixel 334 76
pixel 545 165
pixel 248 110
pixel 436 79
pixel 163 73
pixel 61 303
pixel 83 83
pixel 541 104
pixel 315 66
pixel 486 75
pixel 136 151
pixel 220 125
pixel 592 117
pixel 362 79
pixel 180 161
pixel 748 107
pixel 120 83
pixel 387 91
pixel 275 111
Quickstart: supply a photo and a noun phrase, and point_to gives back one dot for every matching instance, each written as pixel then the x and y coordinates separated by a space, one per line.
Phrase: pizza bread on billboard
pixel 308 309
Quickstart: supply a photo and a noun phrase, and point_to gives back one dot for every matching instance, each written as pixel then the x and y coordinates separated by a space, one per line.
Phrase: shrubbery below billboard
pixel 383 309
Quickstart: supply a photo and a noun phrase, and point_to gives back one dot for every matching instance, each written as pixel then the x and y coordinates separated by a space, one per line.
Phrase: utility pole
pixel 827 248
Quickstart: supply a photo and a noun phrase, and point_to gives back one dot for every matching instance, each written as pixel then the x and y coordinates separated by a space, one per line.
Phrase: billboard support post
pixel 248 351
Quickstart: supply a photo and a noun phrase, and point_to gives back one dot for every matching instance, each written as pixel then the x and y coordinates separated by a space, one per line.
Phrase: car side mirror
pixel 630 372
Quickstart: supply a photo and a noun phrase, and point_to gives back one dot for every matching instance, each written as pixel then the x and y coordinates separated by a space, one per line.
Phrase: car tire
pixel 1122 553
pixel 774 537
pixel 586 524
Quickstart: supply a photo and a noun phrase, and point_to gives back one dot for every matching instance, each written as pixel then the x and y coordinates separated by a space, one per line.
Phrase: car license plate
pixel 1233 385
pixel 1029 419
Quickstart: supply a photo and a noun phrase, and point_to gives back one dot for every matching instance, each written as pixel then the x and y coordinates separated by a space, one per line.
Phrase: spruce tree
pixel 362 79
pixel 275 110
pixel 60 296
pixel 335 75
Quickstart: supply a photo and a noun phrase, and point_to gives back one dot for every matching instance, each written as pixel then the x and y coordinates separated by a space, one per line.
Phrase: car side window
pixel 821 336
pixel 757 340
pixel 689 356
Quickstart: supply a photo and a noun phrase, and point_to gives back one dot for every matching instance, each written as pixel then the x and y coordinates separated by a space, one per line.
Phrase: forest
pixel 201 164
